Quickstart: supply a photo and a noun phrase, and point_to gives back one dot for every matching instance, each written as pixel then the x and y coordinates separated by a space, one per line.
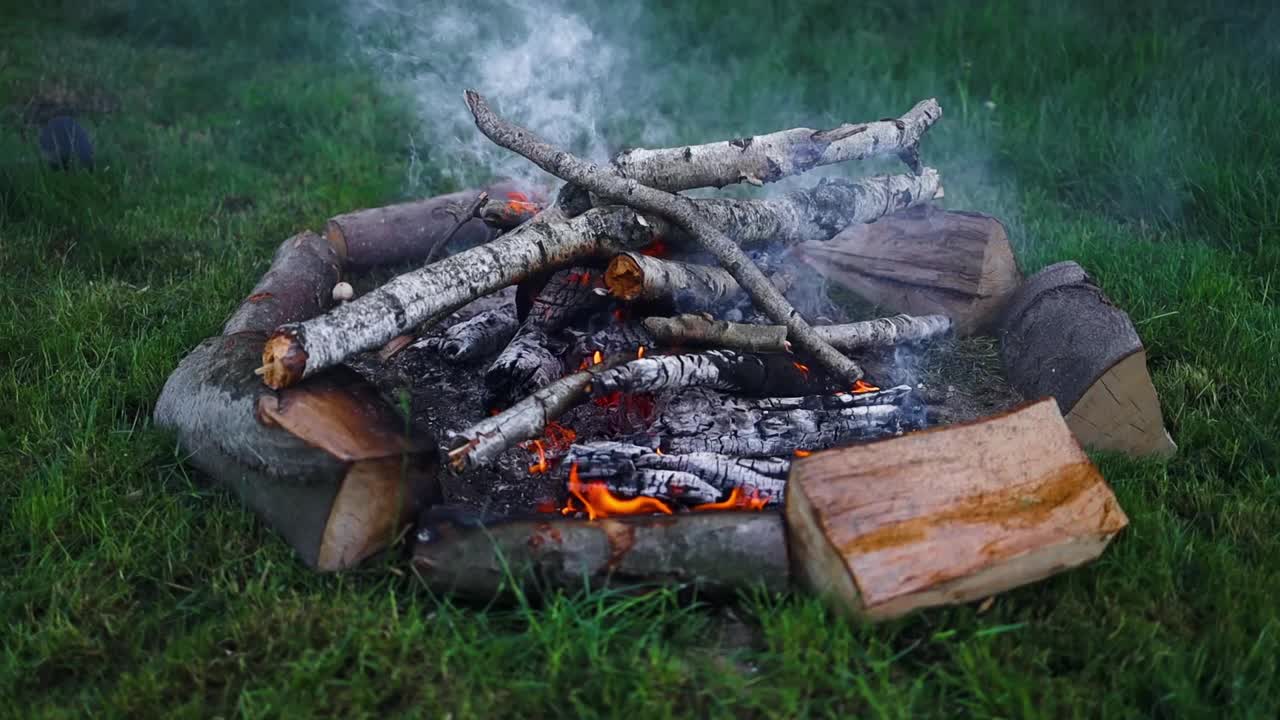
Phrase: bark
pixel 300 349
pixel 530 360
pixel 481 335
pixel 406 233
pixel 634 277
pixel 947 516
pixel 759 375
pixel 884 332
pixel 630 470
pixel 680 211
pixel 613 340
pixel 768 158
pixel 699 420
pixel 298 285
pixel 718 555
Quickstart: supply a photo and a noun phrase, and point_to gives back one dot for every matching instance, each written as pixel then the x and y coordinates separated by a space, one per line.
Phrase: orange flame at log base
pixel 599 503
pixel 737 500
pixel 862 386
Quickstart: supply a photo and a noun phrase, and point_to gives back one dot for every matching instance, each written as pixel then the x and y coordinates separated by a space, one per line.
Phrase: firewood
pixel 742 373
pixel 716 554
pixel 768 158
pixel 686 286
pixel 530 360
pixel 923 261
pixel 679 210
pixel 484 333
pixel 1062 337
pixel 698 420
pixel 692 329
pixel 509 213
pixel 327 463
pixel 405 232
pixel 948 515
pixel 630 470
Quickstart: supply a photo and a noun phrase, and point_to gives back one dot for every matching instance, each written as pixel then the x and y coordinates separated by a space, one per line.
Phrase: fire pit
pixel 623 351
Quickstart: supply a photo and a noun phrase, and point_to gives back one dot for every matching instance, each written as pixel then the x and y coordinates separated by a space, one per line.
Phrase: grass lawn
pixel 1141 139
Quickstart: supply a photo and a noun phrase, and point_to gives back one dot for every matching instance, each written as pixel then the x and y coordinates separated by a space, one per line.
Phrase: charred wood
pixel 483 334
pixel 630 470
pixel 745 374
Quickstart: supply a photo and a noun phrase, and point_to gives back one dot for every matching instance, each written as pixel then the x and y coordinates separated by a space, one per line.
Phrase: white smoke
pixel 560 72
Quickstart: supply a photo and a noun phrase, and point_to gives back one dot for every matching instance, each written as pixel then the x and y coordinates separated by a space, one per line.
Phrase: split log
pixel 741 373
pixel 481 335
pixel 679 210
pixel 691 329
pixel 924 261
pixel 1062 337
pixel 768 158
pixel 948 515
pixel 530 360
pixel 688 287
pixel 407 232
pixel 629 470
pixel 326 464
pixel 698 420
pixel 718 555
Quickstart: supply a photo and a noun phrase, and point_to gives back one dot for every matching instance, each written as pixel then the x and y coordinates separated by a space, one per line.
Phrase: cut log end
pixel 283 360
pixel 336 238
pixel 1121 412
pixel 624 278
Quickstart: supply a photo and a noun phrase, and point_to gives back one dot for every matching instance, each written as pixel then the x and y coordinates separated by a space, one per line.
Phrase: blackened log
pixel 483 334
pixel 698 330
pixel 717 554
pixel 629 470
pixel 741 373
pixel 619 338
pixel 508 213
pixel 768 158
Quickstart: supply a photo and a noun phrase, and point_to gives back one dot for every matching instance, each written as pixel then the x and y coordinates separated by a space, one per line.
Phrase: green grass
pixel 1139 140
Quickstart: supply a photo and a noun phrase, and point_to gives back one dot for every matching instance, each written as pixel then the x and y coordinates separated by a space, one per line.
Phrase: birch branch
pixel 632 276
pixel 681 211
pixel 759 375
pixel 768 158
pixel 691 329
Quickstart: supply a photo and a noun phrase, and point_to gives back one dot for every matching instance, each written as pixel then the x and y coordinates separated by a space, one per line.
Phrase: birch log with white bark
pixel 742 373
pixel 629 470
pixel 691 329
pixel 632 276
pixel 768 158
pixel 679 210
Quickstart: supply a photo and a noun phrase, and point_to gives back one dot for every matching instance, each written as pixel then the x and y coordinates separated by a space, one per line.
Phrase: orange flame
pixel 737 500
pixel 600 503
pixel 559 437
pixel 640 352
pixel 862 386
pixel 804 369
pixel 541 466
pixel 803 453
pixel 517 196
pixel 597 357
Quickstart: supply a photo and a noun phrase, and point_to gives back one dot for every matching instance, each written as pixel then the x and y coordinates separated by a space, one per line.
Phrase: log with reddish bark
pixel 923 261
pixel 1062 337
pixel 716 554
pixel 699 330
pixel 948 515
pixel 327 463
pixel 629 470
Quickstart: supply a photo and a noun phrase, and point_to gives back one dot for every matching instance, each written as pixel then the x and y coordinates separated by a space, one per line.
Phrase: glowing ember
pixel 598 502
pixel 541 466
pixel 597 357
pixel 862 386
pixel 558 437
pixel 585 279
pixel 804 369
pixel 803 453
pixel 657 248
pixel 619 315
pixel 517 196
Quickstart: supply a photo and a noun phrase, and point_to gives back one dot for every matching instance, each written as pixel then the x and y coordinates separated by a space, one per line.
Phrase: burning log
pixel 740 373
pixel 485 333
pixel 692 329
pixel 408 232
pixel 924 260
pixel 681 211
pixel 948 515
pixel 716 554
pixel 1062 337
pixel 327 464
pixel 632 276
pixel 630 470
pixel 530 360
pixel 701 421
pixel 508 214
pixel 768 158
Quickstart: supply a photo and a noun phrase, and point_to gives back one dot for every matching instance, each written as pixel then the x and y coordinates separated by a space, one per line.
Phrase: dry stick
pixel 298 350
pixel 632 276
pixel 690 329
pixel 681 211
pixel 766 158
pixel 468 212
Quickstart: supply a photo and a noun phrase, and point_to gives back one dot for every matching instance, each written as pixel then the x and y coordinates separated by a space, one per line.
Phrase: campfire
pixel 619 363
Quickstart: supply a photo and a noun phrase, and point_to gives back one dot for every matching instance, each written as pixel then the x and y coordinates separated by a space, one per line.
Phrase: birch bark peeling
pixel 768 158
pixel 632 276
pixel 690 329
pixel 298 350
pixel 679 210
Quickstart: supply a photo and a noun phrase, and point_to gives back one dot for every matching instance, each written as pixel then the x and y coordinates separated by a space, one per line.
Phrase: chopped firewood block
pixel 1061 337
pixel 947 515
pixel 923 261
